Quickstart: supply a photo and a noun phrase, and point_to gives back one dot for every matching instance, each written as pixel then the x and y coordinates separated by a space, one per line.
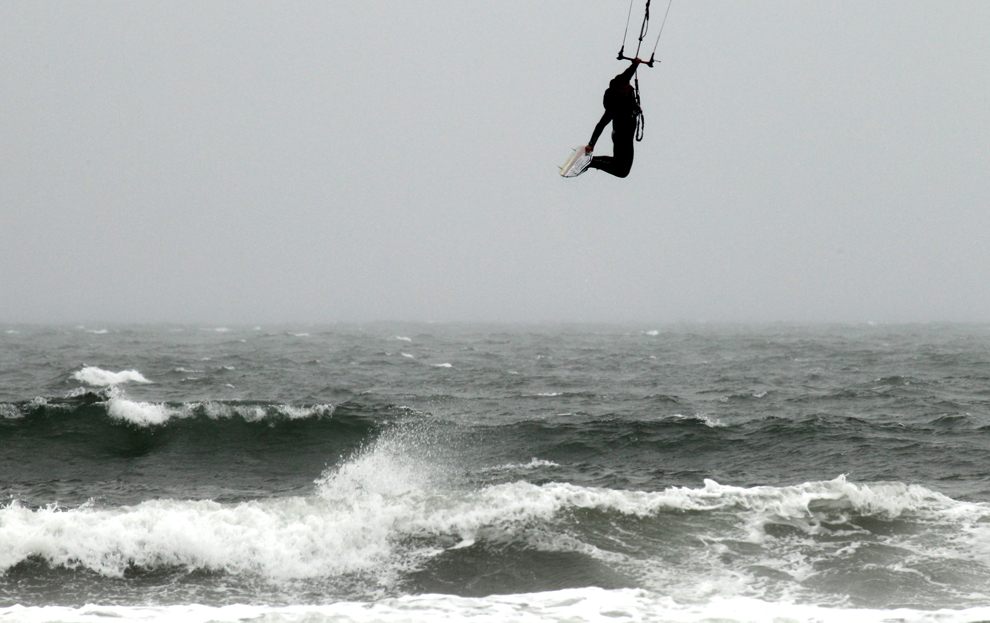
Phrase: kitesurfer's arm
pixel 627 75
pixel 599 129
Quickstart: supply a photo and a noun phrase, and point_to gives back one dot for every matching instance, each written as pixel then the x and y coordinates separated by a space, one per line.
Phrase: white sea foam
pixel 402 338
pixel 290 537
pixel 442 365
pixel 154 414
pixel 10 412
pixel 882 499
pixel 707 420
pixel 355 525
pixel 577 605
pixel 219 410
pixel 299 413
pixel 391 506
pixel 710 421
pixel 98 377
pixel 97 331
pixel 141 413
pixel 366 508
pixel 534 463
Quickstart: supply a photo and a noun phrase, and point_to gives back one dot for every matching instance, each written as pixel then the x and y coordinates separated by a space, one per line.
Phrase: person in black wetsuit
pixel 623 111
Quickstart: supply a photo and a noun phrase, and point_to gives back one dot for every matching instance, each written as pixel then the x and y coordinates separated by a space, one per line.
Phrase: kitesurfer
pixel 623 111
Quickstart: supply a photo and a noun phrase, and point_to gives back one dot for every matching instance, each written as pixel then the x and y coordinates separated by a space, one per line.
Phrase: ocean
pixel 457 472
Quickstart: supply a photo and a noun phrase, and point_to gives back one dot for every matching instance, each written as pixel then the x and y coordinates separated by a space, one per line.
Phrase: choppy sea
pixel 495 473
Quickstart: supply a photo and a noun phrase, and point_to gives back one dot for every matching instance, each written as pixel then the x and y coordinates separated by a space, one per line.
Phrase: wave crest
pixel 98 377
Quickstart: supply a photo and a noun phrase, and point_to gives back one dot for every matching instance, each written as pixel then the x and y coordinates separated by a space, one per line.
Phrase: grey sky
pixel 322 161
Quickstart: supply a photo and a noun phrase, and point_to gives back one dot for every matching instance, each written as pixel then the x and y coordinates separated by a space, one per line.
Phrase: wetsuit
pixel 622 110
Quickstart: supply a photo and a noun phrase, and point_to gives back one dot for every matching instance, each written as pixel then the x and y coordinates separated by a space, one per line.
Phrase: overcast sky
pixel 258 162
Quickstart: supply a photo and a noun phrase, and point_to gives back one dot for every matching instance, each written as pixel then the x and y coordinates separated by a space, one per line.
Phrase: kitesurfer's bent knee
pixel 619 163
pixel 612 165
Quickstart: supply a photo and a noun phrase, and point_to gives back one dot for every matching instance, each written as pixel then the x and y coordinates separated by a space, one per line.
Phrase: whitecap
pixel 9 412
pixel 442 365
pixel 534 463
pixel 704 418
pixel 140 413
pixel 298 413
pixel 98 377
pixel 220 410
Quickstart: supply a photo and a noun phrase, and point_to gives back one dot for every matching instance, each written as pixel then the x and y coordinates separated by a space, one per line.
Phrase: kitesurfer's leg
pixel 620 162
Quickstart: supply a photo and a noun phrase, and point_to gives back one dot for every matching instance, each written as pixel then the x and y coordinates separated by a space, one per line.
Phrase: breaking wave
pixel 98 377
pixel 400 508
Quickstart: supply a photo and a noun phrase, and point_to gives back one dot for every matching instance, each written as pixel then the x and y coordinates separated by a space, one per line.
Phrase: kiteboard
pixel 577 163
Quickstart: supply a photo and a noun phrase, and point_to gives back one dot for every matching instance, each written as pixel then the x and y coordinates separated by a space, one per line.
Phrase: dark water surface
pixel 836 467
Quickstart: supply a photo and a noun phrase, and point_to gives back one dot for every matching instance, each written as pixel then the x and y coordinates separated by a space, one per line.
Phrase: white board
pixel 577 163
